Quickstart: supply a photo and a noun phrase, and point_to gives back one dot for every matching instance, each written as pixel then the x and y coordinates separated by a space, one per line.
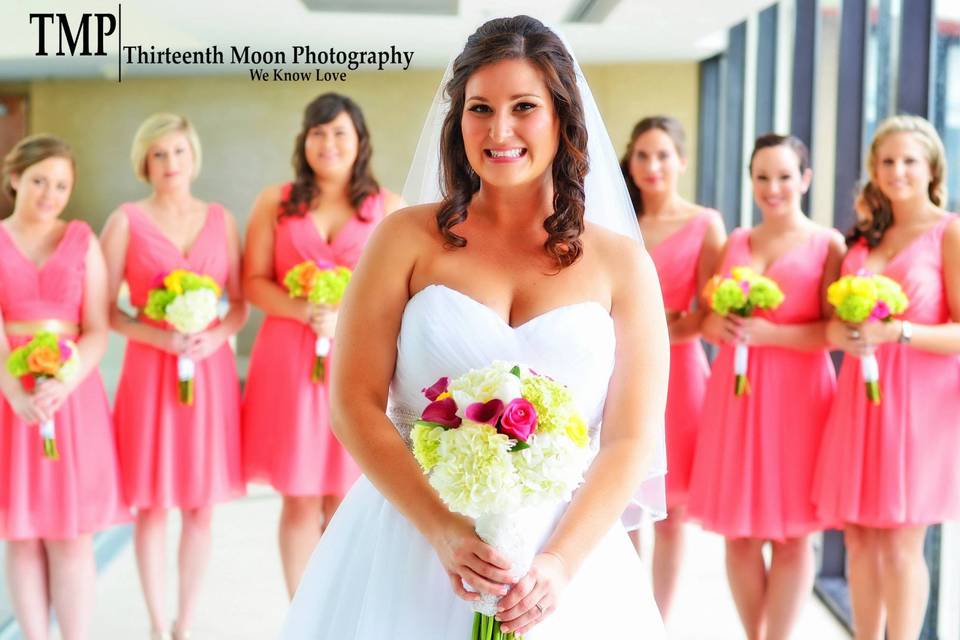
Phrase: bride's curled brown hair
pixel 523 38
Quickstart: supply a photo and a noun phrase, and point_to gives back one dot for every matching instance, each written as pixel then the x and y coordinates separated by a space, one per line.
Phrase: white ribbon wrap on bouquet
pixel 869 368
pixel 186 368
pixel 740 359
pixel 518 536
pixel 47 430
pixel 322 347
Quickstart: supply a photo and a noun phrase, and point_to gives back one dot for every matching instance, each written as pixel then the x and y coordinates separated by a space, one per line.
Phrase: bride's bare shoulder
pixel 614 249
pixel 411 224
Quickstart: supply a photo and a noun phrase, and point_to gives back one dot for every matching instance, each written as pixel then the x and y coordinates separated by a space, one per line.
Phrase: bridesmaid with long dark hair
pixel 888 471
pixel 325 215
pixel 685 241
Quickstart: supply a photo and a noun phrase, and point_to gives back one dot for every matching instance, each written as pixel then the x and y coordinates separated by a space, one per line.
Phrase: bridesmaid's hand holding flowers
pixel 322 319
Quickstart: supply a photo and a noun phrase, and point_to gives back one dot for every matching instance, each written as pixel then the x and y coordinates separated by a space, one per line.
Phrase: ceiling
pixel 630 30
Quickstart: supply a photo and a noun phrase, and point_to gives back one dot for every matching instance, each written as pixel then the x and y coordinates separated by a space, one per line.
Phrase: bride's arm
pixel 633 416
pixel 367 331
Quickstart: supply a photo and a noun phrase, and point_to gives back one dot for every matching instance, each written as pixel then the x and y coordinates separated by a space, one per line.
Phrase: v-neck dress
pixel 287 441
pixel 80 492
pixel 174 455
pixel 676 258
pixel 756 453
pixel 896 464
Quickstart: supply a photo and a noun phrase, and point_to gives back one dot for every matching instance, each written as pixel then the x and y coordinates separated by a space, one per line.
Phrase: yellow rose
pixel 174 281
pixel 838 291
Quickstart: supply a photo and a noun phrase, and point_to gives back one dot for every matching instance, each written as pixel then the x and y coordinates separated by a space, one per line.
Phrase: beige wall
pixel 247 128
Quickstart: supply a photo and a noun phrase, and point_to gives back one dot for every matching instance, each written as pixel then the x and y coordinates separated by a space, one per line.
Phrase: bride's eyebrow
pixel 513 97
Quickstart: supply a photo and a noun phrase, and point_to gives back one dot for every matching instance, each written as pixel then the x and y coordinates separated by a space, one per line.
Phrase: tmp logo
pixel 75 39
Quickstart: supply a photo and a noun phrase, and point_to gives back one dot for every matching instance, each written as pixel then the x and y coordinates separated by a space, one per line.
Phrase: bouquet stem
pixel 321 349
pixel 186 370
pixel 488 628
pixel 48 433
pixel 741 385
pixel 871 377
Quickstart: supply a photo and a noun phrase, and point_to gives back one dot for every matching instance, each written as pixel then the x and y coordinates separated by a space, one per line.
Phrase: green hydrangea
pixel 728 297
pixel 426 445
pixel 157 301
pixel 764 294
pixel 890 292
pixel 17 361
pixel 552 401
pixel 855 309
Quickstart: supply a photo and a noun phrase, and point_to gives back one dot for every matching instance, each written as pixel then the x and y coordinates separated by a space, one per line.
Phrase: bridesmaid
pixel 887 472
pixel 52 278
pixel 326 215
pixel 685 241
pixel 174 455
pixel 756 453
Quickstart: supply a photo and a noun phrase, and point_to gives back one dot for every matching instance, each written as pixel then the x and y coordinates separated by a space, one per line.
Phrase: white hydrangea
pixel 483 385
pixel 193 311
pixel 550 469
pixel 474 474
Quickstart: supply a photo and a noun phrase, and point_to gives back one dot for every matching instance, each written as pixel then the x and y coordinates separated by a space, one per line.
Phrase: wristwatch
pixel 906 332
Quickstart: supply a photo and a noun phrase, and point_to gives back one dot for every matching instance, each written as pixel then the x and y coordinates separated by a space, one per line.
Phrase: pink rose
pixel 442 412
pixel 436 388
pixel 519 419
pixel 881 311
pixel 485 412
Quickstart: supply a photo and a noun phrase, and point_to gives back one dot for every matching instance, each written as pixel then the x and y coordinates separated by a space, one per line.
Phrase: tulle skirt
pixel 374 576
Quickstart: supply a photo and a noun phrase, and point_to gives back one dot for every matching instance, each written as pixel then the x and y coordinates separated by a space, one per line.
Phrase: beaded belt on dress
pixel 403 419
pixel 33 327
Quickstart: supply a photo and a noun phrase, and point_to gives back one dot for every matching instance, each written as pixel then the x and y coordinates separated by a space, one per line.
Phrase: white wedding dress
pixel 374 576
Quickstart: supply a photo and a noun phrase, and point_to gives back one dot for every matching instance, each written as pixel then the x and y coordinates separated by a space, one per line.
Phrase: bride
pixel 527 258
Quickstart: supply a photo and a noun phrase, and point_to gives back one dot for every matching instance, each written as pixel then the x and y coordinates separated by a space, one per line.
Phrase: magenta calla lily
pixel 485 412
pixel 519 419
pixel 433 391
pixel 442 412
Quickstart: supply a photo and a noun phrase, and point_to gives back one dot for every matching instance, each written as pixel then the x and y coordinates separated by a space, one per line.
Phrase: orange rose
pixel 710 287
pixel 308 273
pixel 44 361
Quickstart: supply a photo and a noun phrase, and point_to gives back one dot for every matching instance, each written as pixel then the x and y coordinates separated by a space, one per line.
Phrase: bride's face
pixel 510 127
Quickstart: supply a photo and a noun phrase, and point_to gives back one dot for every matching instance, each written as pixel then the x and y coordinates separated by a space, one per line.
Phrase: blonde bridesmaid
pixel 174 455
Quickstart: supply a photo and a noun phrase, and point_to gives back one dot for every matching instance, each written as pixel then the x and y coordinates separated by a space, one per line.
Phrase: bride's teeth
pixel 512 153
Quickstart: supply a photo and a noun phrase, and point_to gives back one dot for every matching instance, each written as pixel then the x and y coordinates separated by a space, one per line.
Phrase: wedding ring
pixel 539 608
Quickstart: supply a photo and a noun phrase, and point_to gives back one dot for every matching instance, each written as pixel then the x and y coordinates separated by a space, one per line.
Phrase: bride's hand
pixel 535 596
pixel 467 558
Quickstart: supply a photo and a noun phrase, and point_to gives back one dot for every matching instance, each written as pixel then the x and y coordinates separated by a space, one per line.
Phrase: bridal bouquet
pixel 320 285
pixel 188 302
pixel 741 293
pixel 46 356
pixel 502 445
pixel 861 297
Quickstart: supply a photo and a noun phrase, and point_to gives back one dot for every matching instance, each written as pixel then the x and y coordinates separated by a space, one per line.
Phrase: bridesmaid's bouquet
pixel 188 302
pixel 320 285
pixel 741 293
pixel 502 445
pixel 45 357
pixel 861 297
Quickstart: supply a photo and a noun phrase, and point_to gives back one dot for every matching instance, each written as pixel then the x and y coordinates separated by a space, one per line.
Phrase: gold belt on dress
pixel 33 327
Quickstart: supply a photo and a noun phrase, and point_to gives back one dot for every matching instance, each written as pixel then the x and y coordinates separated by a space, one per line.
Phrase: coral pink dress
pixel 756 454
pixel 676 259
pixel 171 454
pixel 80 492
pixel 895 464
pixel 287 441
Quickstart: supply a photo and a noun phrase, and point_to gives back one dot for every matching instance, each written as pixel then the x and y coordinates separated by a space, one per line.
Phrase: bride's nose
pixel 501 126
